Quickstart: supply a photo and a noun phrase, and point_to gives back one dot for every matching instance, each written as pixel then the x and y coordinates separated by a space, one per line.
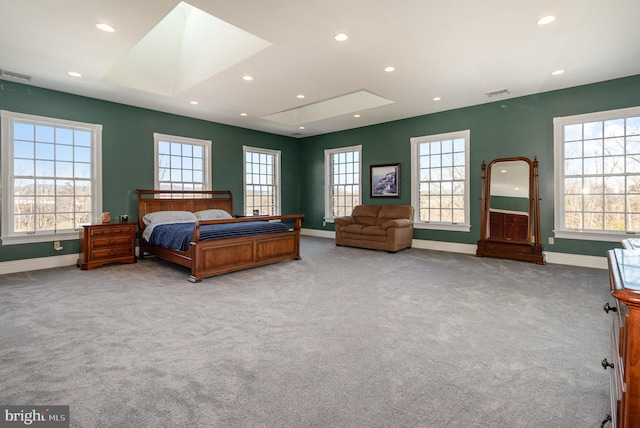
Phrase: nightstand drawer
pixel 111 241
pixel 111 253
pixel 110 230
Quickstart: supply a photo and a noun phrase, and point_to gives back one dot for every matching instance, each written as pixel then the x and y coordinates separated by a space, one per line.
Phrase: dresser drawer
pixel 111 241
pixel 111 253
pixel 110 230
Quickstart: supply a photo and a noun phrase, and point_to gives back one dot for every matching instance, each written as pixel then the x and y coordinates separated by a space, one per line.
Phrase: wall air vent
pixel 6 74
pixel 497 93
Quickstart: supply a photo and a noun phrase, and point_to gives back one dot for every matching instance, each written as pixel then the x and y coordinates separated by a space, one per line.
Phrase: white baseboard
pixel 576 260
pixel 24 265
pixel 16 266
pixel 318 233
pixel 453 247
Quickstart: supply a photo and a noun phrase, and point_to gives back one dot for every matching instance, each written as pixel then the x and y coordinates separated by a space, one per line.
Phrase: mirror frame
pixel 524 250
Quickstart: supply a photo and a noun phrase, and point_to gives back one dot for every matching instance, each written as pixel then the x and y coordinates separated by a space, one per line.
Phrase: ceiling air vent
pixel 498 93
pixel 5 74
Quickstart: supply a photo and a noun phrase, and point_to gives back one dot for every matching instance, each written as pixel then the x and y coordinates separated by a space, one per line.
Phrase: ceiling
pixel 454 49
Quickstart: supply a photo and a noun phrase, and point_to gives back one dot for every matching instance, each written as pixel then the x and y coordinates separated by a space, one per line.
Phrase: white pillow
pixel 212 214
pixel 169 216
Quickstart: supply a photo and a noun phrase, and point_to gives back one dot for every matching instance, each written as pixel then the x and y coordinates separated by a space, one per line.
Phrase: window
pixel 182 163
pixel 51 177
pixel 597 175
pixel 342 181
pixel 261 181
pixel 440 181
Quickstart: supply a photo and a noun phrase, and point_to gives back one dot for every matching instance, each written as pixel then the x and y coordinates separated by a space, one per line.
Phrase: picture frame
pixel 384 181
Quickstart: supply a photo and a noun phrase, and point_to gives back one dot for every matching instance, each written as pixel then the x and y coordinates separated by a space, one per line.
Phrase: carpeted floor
pixel 342 338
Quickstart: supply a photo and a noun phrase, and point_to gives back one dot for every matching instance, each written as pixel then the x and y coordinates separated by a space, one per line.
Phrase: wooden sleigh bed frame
pixel 218 256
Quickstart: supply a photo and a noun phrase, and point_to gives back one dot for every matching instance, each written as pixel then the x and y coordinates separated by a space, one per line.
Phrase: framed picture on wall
pixel 385 181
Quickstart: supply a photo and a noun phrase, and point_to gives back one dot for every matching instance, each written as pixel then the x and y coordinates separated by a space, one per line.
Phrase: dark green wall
pixel 509 203
pixel 513 127
pixel 127 152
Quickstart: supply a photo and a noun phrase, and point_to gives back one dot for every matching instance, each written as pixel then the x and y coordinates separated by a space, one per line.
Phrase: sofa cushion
pixel 374 230
pixel 392 212
pixel 353 228
pixel 366 214
pixel 343 221
pixel 399 222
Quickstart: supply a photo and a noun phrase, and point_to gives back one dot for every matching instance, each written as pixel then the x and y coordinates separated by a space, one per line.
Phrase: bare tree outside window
pixel 182 163
pixel 261 181
pixel 343 172
pixel 600 180
pixel 440 180
pixel 51 175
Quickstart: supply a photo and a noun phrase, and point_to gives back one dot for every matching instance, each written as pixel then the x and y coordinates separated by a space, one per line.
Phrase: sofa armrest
pixel 399 222
pixel 343 221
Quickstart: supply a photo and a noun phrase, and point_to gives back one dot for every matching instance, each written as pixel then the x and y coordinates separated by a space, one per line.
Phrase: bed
pixel 207 251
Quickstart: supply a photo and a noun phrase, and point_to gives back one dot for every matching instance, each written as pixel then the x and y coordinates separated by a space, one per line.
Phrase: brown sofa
pixel 388 227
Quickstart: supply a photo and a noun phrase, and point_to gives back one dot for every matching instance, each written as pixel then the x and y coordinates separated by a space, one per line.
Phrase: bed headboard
pixel 182 200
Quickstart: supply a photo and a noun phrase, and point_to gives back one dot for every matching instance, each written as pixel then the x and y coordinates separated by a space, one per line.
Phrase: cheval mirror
pixel 510 217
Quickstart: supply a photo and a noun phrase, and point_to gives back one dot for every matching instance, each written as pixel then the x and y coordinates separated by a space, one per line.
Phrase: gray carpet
pixel 342 338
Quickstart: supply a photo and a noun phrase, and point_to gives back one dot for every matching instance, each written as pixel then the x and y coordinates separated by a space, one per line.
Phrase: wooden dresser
pixel 624 362
pixel 107 243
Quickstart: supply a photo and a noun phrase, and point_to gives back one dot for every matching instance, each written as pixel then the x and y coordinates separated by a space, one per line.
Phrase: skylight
pixel 345 104
pixel 187 47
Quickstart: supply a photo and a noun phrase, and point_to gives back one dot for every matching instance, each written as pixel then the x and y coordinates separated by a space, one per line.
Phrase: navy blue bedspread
pixel 179 235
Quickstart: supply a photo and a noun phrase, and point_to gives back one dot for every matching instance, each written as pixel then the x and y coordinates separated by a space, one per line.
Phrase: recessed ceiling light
pixel 557 72
pixel 105 27
pixel 243 114
pixel 437 98
pixel 389 69
pixel 356 115
pixel 247 78
pixel 194 102
pixel 300 96
pixel 341 37
pixel 74 74
pixel 546 20
pixel 300 127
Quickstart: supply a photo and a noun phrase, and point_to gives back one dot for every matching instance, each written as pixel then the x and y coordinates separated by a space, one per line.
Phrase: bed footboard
pixel 228 255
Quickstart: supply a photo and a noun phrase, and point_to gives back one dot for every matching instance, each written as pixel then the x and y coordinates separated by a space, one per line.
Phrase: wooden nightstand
pixel 107 243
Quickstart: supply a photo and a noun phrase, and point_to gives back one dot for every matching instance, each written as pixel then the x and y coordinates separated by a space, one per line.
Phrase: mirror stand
pixel 510 211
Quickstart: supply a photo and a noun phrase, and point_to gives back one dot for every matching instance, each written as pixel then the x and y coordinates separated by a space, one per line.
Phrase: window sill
pixel 32 239
pixel 594 236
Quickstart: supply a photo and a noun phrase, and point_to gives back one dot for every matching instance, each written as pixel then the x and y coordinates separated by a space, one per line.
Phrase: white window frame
pixel 465 226
pixel 8 118
pixel 276 178
pixel 206 157
pixel 559 124
pixel 328 178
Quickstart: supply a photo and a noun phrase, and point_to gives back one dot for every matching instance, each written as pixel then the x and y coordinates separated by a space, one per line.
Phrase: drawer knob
pixel 606 364
pixel 608 308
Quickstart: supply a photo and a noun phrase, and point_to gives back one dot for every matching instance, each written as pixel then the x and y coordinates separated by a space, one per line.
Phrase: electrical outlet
pixel 552 240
